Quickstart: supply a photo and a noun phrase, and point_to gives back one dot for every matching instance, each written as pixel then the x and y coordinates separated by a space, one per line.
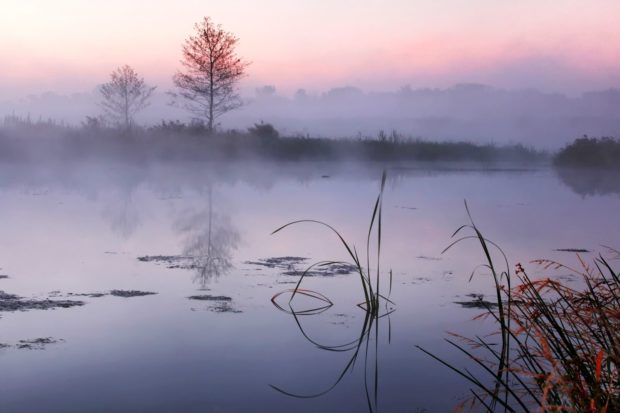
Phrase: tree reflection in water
pixel 210 241
pixel 591 181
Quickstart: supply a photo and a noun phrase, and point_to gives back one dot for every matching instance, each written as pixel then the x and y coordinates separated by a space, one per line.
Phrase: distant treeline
pixel 23 139
pixel 591 153
pixel 470 113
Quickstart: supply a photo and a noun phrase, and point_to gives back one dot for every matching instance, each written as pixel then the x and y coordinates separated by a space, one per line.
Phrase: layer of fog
pixel 91 178
pixel 471 112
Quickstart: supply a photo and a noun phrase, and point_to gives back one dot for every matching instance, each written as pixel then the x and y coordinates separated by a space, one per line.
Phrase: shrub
pixel 590 152
pixel 264 131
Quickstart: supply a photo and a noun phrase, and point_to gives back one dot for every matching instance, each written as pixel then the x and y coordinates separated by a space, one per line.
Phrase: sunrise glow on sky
pixel 71 45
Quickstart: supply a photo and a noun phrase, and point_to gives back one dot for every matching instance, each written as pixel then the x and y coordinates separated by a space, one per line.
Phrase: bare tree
pixel 125 95
pixel 212 71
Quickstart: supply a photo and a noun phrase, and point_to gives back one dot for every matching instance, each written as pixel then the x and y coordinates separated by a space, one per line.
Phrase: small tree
pixel 125 95
pixel 212 71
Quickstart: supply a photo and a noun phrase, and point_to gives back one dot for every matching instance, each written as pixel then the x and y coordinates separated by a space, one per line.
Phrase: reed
pixel 560 346
pixel 370 277
pixel 370 282
pixel 555 348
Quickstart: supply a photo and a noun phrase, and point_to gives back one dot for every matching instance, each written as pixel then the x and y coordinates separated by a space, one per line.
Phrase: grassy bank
pixel 23 139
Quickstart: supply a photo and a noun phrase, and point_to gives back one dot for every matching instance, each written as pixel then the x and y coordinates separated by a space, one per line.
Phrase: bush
pixel 590 152
pixel 264 131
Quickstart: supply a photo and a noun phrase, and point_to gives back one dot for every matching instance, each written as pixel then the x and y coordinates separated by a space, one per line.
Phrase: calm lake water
pixel 80 229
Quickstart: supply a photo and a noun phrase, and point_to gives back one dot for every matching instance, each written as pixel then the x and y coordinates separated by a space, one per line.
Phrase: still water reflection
pixel 210 239
pixel 81 229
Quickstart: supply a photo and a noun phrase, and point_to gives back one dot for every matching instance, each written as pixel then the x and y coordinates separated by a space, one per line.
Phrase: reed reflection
pixel 376 306
pixel 363 348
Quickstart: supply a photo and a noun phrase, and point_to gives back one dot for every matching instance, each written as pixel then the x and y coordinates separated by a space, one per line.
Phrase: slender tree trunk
pixel 209 259
pixel 211 100
pixel 210 219
pixel 126 111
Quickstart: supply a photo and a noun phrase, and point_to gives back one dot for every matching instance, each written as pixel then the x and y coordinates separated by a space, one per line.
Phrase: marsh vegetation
pixel 22 139
pixel 555 348
pixel 177 239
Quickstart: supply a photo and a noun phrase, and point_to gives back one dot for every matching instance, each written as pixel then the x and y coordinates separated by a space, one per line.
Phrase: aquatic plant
pixel 369 277
pixel 560 346
pixel 370 281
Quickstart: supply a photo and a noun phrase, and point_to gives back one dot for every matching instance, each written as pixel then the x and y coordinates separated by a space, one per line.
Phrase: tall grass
pixel 560 346
pixel 372 300
pixel 370 277
pixel 555 348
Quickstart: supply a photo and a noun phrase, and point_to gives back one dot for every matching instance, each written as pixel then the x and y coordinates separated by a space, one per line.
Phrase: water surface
pixel 81 229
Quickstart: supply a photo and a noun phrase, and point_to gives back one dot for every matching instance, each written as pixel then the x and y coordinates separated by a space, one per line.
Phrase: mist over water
pixel 466 112
pixel 309 206
pixel 78 228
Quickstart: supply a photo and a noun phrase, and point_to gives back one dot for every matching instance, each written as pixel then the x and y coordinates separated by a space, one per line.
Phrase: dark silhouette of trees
pixel 212 71
pixel 125 95
pixel 590 152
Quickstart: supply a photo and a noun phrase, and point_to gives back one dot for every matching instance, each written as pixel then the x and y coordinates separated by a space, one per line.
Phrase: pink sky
pixel 71 45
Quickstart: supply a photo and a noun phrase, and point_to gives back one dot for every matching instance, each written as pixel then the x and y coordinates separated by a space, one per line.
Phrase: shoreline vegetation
pixel 554 348
pixel 589 152
pixel 22 139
